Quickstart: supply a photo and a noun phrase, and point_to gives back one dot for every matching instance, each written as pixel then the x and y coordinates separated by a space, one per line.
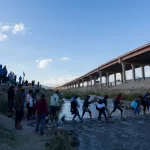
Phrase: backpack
pixel 134 104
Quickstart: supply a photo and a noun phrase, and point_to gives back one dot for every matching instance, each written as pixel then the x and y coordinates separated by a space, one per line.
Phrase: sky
pixel 55 41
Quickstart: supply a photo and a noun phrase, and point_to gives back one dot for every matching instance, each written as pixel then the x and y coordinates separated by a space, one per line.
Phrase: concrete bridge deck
pixel 137 58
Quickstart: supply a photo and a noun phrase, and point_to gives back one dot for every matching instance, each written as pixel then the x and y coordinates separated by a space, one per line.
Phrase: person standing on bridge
pixel 86 106
pixel 117 104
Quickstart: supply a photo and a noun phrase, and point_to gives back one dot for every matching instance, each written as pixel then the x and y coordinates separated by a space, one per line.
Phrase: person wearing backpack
pixel 100 106
pixel 86 107
pixel 74 108
pixel 117 104
pixel 137 108
pixel 54 106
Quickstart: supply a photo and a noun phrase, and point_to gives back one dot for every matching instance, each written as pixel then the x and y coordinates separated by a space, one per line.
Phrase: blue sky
pixel 86 33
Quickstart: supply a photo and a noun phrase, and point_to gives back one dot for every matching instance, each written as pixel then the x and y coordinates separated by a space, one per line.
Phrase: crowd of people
pixel 28 106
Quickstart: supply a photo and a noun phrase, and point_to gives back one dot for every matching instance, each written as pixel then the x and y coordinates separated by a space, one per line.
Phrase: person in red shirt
pixel 117 104
pixel 42 110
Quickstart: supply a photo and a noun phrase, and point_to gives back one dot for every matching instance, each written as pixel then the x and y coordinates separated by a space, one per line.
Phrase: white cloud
pixel 3 37
pixel 65 59
pixel 43 63
pixel 18 28
pixel 59 81
pixel 5 28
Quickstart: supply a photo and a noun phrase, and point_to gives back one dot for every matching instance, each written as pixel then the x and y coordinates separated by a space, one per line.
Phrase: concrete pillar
pixel 107 78
pixel 121 77
pixel 100 79
pixel 133 72
pixel 82 83
pixel 78 84
pixel 91 82
pixel 94 81
pixel 123 71
pixel 115 79
pixel 143 71
pixel 87 83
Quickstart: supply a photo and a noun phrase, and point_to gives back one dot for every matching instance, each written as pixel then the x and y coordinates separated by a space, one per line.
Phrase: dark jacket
pixel 1 70
pixel 11 93
pixel 105 101
pixel 5 71
pixel 41 107
pixel 18 100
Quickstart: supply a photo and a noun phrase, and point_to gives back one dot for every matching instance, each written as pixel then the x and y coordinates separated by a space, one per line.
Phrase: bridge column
pixel 95 81
pixel 123 71
pixel 143 71
pixel 133 72
pixel 91 82
pixel 115 79
pixel 100 79
pixel 107 79
pixel 82 83
pixel 87 83
pixel 78 84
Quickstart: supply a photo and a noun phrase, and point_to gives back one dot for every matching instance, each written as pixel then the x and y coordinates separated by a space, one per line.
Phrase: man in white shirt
pixel 54 106
pixel 29 104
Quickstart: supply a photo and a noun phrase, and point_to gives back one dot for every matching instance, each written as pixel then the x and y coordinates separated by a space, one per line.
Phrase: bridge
pixel 137 58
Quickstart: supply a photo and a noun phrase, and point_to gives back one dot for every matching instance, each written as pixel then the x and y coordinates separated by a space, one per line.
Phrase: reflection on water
pixel 66 109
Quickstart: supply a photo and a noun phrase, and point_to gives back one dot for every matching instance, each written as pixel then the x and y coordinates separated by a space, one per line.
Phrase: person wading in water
pixel 100 106
pixel 117 104
pixel 86 106
pixel 74 108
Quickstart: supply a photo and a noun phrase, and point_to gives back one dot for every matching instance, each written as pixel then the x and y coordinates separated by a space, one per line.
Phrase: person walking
pixel 145 102
pixel 86 107
pixel 29 105
pixel 74 108
pixel 42 111
pixel 117 104
pixel 19 108
pixel 1 74
pixel 54 106
pixel 100 106
pixel 136 109
pixel 105 102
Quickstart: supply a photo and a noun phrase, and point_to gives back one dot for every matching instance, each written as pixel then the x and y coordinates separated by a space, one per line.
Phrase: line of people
pixel 101 106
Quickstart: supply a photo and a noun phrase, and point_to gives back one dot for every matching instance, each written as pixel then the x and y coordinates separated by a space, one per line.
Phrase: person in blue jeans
pixel 42 110
pixel 138 101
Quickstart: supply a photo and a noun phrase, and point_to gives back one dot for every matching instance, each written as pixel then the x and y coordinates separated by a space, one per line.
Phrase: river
pixel 66 109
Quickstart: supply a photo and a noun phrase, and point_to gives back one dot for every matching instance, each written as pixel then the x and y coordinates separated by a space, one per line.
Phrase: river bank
pixel 126 94
pixel 89 135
